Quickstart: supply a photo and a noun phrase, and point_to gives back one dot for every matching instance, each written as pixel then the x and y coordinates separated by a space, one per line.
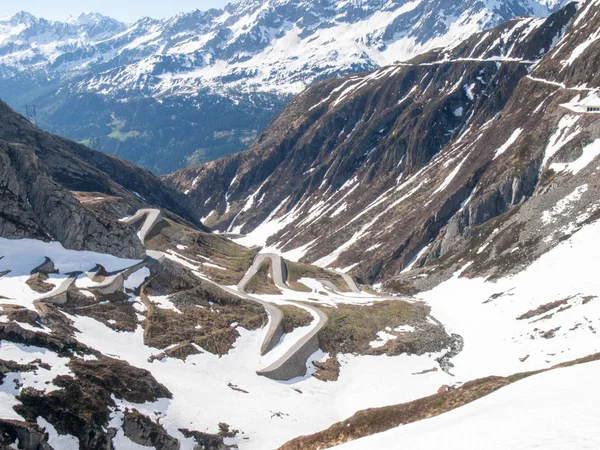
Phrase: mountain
pixel 150 91
pixel 462 182
pixel 55 189
pixel 455 154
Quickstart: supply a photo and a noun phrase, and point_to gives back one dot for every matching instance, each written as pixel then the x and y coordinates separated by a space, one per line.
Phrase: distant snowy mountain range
pixel 274 47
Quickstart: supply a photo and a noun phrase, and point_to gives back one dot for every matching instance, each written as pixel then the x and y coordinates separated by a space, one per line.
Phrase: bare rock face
pixel 28 435
pixel 143 431
pixel 415 164
pixel 82 405
pixel 52 212
pixel 55 189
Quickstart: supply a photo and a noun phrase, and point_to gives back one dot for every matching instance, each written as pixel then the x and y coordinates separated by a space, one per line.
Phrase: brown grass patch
pixel 207 312
pixel 295 271
pixel 351 328
pixel 235 259
pixel 262 282
pixel 294 317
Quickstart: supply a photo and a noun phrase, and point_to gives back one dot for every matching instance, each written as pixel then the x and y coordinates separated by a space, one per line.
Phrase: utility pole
pixel 31 113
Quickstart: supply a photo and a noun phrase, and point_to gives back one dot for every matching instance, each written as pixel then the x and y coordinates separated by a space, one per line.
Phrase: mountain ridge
pixel 56 189
pixel 416 157
pixel 124 85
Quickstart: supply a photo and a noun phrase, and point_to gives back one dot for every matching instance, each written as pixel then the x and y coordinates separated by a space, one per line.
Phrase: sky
pixel 124 10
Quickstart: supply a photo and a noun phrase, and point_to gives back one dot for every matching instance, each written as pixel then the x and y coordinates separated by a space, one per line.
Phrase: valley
pixel 405 255
pixel 171 82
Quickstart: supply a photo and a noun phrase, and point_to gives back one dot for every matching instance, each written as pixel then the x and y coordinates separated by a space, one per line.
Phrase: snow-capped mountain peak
pixel 251 55
pixel 266 45
pixel 89 18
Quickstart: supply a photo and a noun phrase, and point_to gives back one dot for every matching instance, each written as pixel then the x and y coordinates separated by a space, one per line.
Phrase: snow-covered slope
pixel 169 359
pixel 34 45
pixel 419 165
pixel 205 388
pixel 555 410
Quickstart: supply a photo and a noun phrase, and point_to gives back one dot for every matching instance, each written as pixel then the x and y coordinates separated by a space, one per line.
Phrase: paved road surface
pixel 274 332
pixel 152 218
pixel 292 363
pixel 59 295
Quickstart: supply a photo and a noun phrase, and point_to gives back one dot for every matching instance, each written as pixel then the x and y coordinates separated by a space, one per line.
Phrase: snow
pixel 268 228
pixel 40 379
pixel 137 278
pixel 214 266
pixel 200 405
pixel 163 302
pixel 22 354
pixel 565 132
pixel 469 91
pixel 582 48
pixel 339 210
pixel 450 176
pixel 589 153
pixel 382 338
pixel 7 401
pixel 21 256
pixel 496 341
pixel 120 441
pixel 555 410
pixel 565 205
pixel 289 339
pixel 288 52
pixel 62 441
pixel 294 255
pixel 510 141
pixel 349 268
pixel 413 261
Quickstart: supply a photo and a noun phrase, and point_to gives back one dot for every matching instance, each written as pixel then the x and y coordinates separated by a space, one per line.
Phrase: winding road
pixel 292 363
pixel 152 217
pixel 59 295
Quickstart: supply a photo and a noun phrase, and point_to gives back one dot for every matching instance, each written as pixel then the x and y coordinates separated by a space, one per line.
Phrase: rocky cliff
pixel 55 189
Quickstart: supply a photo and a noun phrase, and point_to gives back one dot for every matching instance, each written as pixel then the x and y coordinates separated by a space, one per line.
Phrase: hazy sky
pixel 124 10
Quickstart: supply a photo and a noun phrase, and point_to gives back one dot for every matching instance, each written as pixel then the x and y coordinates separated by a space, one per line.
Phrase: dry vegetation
pixel 82 406
pixel 202 247
pixel 295 271
pixel 37 283
pixel 351 328
pixel 294 317
pixel 114 310
pixel 262 282
pixel 208 315
pixel 328 370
